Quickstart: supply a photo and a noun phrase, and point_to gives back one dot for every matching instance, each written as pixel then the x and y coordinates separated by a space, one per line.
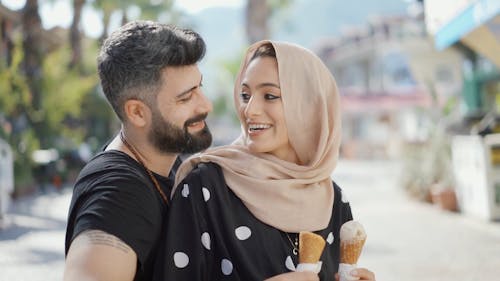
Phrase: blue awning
pixel 477 14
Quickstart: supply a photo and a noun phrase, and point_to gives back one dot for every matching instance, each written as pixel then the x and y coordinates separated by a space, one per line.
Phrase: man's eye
pixel 185 99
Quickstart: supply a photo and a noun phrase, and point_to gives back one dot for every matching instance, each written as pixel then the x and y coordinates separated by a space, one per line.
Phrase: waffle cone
pixel 311 246
pixel 351 250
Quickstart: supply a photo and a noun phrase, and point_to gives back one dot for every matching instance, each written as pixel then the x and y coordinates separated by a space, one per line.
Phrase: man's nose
pixel 205 105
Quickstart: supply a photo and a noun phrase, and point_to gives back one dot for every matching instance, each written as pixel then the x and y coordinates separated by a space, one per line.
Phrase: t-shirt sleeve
pixel 346 206
pixel 189 244
pixel 123 206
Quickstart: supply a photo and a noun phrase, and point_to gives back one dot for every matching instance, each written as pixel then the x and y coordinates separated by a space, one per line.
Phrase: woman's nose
pixel 253 107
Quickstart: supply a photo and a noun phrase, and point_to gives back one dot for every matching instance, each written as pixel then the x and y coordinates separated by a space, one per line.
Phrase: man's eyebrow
pixel 267 84
pixel 189 90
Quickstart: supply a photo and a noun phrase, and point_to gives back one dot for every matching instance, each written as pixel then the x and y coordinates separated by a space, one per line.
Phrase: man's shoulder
pixel 110 156
pixel 112 161
pixel 109 170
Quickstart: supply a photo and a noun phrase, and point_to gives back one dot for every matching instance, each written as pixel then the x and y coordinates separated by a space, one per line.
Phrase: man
pixel 150 77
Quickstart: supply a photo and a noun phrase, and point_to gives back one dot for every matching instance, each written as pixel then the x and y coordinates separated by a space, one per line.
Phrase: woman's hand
pixel 296 276
pixel 362 273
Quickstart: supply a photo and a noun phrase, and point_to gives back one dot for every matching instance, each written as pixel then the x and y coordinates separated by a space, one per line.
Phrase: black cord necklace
pixel 139 159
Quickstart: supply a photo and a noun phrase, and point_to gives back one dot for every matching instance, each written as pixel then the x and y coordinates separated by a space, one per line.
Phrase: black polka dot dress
pixel 213 236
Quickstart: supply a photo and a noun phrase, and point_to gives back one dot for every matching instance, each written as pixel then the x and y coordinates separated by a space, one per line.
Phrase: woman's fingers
pixel 363 274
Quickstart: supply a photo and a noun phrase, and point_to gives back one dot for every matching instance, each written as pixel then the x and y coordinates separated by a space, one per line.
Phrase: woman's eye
pixel 271 97
pixel 244 96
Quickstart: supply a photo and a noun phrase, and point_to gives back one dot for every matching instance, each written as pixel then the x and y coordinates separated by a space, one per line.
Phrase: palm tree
pixel 7 19
pixel 75 38
pixel 32 65
pixel 257 13
pixel 107 8
pixel 149 10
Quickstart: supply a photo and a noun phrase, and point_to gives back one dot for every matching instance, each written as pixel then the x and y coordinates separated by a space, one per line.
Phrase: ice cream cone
pixel 352 239
pixel 311 246
pixel 350 251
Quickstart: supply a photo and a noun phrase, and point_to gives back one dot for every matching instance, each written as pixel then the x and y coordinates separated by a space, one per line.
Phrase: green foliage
pixel 148 9
pixel 89 61
pixel 232 65
pixel 27 142
pixel 220 105
pixel 153 9
pixel 66 95
pixel 14 127
pixel 64 92
pixel 227 69
pixel 72 109
pixel 279 4
pixel 14 90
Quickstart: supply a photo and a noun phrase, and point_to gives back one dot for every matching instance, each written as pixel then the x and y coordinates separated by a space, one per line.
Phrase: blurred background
pixel 420 95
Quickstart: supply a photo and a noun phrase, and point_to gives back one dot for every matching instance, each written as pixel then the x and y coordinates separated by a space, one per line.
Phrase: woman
pixel 238 210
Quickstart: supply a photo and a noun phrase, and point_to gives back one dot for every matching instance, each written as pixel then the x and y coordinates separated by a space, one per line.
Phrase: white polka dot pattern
pixel 205 240
pixel 330 238
pixel 226 266
pixel 181 260
pixel 185 191
pixel 344 197
pixel 289 264
pixel 206 193
pixel 243 233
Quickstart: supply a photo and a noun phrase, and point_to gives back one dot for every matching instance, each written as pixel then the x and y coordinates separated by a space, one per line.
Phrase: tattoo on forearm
pixel 99 237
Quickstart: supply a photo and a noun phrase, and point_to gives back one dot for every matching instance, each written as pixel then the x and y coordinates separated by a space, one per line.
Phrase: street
pixel 407 240
pixel 32 241
pixel 414 241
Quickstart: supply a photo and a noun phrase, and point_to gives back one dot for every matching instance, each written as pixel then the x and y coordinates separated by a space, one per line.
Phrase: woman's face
pixel 261 109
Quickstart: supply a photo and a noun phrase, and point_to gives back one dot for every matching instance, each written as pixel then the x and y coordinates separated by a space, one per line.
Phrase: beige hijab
pixel 288 196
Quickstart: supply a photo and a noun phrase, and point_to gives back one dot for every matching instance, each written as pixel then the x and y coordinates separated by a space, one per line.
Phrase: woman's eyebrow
pixel 266 84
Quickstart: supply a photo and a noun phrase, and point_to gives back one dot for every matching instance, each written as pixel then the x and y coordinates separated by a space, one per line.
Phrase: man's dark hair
pixel 132 59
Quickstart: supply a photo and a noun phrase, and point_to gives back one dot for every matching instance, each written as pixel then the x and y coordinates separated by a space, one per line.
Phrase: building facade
pixel 391 80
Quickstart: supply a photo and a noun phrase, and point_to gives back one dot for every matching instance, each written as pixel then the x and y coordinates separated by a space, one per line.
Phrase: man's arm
pixel 96 255
pixel 298 276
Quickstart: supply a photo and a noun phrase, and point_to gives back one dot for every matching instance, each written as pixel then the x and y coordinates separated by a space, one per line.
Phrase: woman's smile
pixel 256 129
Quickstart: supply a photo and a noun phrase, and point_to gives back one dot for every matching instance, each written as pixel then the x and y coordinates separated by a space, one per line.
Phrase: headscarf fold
pixel 288 196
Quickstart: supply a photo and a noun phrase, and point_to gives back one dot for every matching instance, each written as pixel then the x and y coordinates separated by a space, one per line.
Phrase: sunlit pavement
pixel 32 238
pixel 407 240
pixel 410 240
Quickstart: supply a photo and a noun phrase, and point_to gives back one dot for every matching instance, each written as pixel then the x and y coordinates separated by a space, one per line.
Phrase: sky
pixel 59 12
pixel 194 6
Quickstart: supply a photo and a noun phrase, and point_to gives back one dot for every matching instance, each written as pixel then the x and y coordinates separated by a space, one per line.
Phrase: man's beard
pixel 169 138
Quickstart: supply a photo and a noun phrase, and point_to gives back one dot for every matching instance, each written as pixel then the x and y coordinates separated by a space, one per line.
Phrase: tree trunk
pixel 32 66
pixel 75 38
pixel 105 24
pixel 32 45
pixel 257 13
pixel 6 38
pixel 124 16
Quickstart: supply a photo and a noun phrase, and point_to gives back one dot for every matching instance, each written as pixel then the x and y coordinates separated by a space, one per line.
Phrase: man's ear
pixel 137 112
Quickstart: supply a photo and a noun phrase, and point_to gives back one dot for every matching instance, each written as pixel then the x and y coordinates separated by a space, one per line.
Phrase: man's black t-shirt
pixel 114 193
